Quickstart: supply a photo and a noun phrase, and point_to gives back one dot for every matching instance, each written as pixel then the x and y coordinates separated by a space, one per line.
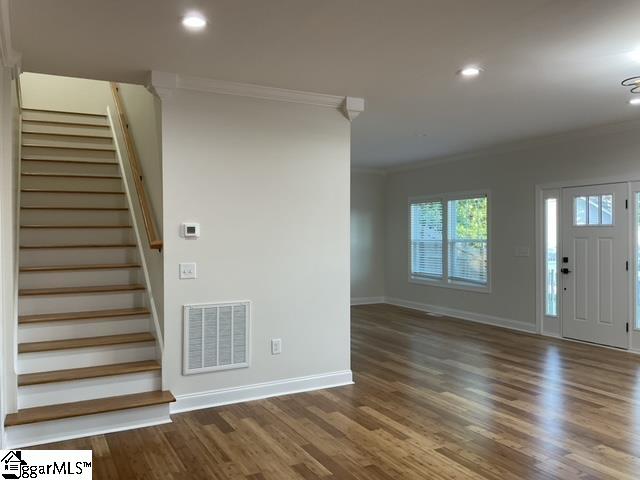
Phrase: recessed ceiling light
pixel 194 21
pixel 470 71
pixel 634 101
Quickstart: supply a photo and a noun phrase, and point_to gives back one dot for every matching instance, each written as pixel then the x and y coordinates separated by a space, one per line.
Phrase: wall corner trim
pixel 162 82
pixel 226 396
pixel 8 56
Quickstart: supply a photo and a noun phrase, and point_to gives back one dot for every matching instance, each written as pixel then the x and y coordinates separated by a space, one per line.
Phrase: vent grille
pixel 216 337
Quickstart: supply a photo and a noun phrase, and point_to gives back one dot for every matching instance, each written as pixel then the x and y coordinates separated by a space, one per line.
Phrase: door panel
pixel 595 279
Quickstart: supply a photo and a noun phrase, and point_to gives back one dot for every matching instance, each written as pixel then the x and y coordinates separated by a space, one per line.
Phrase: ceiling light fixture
pixel 633 83
pixel 470 71
pixel 194 21
pixel 634 101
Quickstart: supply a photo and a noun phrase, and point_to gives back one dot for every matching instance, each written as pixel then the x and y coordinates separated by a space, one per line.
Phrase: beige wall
pixel 367 235
pixel 511 175
pixel 52 92
pixel 269 183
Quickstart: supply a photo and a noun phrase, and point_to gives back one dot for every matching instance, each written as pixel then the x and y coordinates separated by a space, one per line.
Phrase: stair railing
pixel 155 242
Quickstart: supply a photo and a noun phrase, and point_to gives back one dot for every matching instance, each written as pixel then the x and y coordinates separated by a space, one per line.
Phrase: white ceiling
pixel 550 65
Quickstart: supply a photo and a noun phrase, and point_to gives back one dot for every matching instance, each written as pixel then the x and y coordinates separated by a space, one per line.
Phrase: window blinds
pixel 426 239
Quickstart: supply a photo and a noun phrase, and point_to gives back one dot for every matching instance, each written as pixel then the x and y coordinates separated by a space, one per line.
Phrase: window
pixel 551 257
pixel 593 210
pixel 426 239
pixel 449 241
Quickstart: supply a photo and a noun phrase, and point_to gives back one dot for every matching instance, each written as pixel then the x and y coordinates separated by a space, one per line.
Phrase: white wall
pixel 511 175
pixel 143 113
pixel 367 235
pixel 269 183
pixel 9 152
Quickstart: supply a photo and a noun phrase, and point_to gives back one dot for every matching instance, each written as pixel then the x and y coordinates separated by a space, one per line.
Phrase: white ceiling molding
pixel 163 82
pixel 8 56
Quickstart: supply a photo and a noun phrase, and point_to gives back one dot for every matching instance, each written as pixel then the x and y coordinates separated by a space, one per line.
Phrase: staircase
pixel 88 358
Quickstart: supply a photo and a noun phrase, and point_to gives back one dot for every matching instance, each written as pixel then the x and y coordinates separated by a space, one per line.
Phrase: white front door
pixel 595 276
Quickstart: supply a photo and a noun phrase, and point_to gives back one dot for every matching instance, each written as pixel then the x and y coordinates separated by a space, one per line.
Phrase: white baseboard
pixel 367 300
pixel 226 396
pixel 463 315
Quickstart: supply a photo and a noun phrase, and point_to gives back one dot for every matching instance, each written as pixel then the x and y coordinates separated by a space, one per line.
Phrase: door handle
pixel 566 271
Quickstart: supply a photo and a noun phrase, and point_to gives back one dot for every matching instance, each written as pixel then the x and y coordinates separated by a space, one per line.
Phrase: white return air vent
pixel 216 337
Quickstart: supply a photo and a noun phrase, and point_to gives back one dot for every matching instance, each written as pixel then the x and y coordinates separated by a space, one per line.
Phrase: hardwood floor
pixel 434 398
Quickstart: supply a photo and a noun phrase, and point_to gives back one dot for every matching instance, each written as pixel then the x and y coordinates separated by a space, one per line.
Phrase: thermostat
pixel 191 230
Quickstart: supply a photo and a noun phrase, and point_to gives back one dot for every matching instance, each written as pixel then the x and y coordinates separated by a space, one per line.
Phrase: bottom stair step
pixel 87 372
pixel 87 407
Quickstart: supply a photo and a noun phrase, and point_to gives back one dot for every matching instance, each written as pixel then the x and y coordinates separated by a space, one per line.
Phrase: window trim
pixel 445 282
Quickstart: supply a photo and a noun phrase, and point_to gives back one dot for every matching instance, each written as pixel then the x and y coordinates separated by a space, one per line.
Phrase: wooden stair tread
pixel 69 147
pixel 90 192
pixel 99 209
pixel 63 268
pixel 92 245
pixel 86 315
pixel 88 407
pixel 74 226
pixel 63 122
pixel 85 342
pixel 31 158
pixel 73 135
pixel 87 372
pixel 27 292
pixel 101 115
pixel 69 175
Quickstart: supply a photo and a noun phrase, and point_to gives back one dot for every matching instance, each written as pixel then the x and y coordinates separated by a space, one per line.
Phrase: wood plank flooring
pixel 434 398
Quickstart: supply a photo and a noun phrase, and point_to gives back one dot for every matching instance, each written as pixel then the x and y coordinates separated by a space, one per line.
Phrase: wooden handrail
pixel 155 242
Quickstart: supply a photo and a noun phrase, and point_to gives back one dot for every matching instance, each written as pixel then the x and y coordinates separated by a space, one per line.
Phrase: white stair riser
pixel 39 332
pixel 78 256
pixel 80 278
pixel 62 236
pixel 74 217
pixel 88 389
pixel 63 117
pixel 84 168
pixel 85 357
pixel 31 127
pixel 65 141
pixel 71 183
pixel 31 305
pixel 72 199
pixel 58 430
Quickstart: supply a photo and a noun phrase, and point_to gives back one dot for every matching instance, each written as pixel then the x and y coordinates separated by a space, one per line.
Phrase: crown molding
pixel 8 56
pixel 519 145
pixel 163 82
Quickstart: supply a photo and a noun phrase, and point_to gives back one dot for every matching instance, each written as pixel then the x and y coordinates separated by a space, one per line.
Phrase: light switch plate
pixel 187 271
pixel 276 346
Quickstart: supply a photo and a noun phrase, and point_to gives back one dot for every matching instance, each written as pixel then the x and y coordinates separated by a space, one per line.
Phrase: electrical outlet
pixel 276 346
pixel 187 271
